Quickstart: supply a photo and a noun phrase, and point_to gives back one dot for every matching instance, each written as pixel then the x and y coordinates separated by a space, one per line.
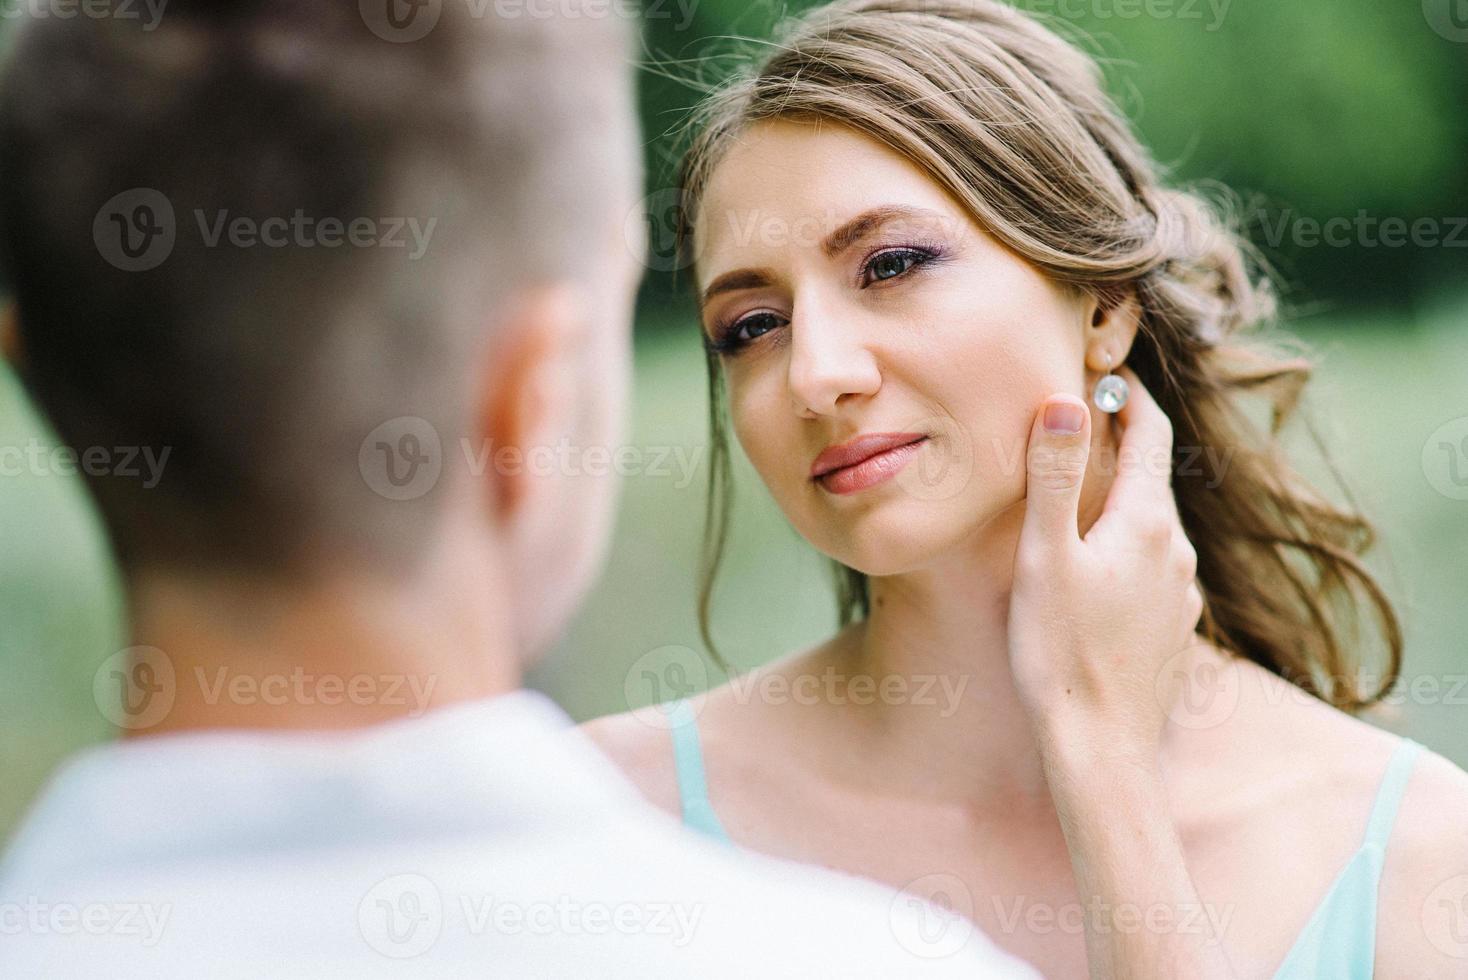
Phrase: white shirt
pixel 487 839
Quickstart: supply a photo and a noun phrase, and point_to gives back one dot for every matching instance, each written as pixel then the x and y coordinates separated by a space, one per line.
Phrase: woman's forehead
pixel 791 185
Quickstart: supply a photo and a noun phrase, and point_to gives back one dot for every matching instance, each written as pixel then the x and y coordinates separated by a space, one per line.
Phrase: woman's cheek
pixel 761 435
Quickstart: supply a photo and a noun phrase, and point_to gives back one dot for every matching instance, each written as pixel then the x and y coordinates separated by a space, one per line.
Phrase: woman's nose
pixel 829 360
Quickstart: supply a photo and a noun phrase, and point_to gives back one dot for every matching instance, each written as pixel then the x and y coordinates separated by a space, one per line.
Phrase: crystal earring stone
pixel 1111 391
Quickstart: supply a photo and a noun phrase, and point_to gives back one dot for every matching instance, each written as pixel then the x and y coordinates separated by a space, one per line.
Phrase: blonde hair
pixel 1014 122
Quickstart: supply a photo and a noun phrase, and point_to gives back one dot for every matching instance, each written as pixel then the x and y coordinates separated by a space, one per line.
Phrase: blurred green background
pixel 1308 110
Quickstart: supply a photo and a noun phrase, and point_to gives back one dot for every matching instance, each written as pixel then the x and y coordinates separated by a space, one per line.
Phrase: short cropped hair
pixel 207 224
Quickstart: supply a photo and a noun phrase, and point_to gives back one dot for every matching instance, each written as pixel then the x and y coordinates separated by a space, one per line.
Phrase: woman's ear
pixel 10 334
pixel 1112 320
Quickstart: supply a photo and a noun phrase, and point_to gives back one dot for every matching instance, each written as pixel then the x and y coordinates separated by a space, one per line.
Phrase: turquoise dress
pixel 1338 942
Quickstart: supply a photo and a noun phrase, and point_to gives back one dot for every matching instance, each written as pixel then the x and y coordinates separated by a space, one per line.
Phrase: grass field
pixel 1384 388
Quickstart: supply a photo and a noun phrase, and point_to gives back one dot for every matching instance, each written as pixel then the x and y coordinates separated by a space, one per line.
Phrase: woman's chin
pixel 905 534
pixel 883 550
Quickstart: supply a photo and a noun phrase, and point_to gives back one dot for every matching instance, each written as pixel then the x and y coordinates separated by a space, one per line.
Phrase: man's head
pixel 337 267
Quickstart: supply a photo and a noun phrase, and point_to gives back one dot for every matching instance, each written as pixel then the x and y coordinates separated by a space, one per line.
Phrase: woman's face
pixel 852 296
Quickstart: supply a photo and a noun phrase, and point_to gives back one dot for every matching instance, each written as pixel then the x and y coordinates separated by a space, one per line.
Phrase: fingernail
pixel 1063 418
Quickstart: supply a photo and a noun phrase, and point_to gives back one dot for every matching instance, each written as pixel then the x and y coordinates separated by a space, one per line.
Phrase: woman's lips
pixel 865 461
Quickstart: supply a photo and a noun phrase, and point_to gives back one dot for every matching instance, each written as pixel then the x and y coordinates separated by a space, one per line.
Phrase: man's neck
pixel 334 654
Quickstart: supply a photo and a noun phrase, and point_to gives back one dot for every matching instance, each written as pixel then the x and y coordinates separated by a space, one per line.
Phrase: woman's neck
pixel 944 629
pixel 954 720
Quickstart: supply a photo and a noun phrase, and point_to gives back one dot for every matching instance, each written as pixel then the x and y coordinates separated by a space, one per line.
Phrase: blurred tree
pixel 1309 110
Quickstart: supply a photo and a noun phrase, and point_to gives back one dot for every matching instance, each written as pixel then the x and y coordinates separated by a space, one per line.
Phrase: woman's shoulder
pixel 1340 764
pixel 1331 755
pixel 642 748
pixel 734 734
pixel 1423 908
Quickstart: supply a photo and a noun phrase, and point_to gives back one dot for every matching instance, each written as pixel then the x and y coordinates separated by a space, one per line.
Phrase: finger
pixel 1060 442
pixel 1143 483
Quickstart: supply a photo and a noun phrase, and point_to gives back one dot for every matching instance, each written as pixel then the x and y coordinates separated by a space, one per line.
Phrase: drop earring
pixel 1111 391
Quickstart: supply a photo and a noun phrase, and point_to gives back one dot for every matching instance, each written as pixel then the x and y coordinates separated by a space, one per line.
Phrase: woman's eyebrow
pixel 832 245
pixel 872 219
pixel 738 279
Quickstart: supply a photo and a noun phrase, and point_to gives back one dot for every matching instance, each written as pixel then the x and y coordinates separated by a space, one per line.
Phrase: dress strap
pixel 1389 796
pixel 693 793
pixel 1339 941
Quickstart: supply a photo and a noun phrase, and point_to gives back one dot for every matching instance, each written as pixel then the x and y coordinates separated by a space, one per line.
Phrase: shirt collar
pixel 497 765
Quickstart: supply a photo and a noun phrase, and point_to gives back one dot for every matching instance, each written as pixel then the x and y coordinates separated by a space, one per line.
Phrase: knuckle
pixel 1057 469
pixel 1154 530
pixel 1165 438
pixel 1195 604
pixel 1037 568
pixel 1187 560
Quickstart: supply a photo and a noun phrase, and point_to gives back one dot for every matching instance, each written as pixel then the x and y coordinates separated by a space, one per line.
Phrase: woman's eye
pixel 754 326
pixel 892 263
pixel 742 332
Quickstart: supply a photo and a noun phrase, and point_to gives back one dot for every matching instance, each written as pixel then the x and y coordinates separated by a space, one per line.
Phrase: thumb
pixel 1060 442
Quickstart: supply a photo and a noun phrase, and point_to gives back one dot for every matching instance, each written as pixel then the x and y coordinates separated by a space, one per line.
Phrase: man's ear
pixel 530 388
pixel 10 334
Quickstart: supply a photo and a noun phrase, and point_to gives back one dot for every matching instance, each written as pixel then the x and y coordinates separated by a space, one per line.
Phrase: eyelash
pixel 726 335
